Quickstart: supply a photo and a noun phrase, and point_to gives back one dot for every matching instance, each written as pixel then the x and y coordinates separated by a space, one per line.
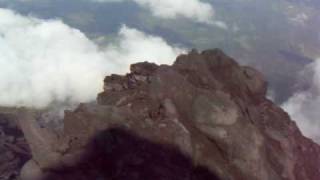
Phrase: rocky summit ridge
pixel 205 117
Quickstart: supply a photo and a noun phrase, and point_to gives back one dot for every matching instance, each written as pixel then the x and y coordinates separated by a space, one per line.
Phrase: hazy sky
pixel 58 50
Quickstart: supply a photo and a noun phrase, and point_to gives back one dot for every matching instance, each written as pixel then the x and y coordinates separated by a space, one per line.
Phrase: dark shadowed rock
pixel 14 150
pixel 206 106
pixel 120 155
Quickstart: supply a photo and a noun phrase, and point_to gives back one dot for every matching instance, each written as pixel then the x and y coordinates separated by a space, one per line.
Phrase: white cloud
pixel 170 9
pixel 46 61
pixel 220 24
pixel 134 45
pixel 303 107
pixel 193 9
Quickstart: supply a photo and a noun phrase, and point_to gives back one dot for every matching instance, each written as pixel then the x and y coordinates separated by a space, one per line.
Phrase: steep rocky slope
pixel 204 117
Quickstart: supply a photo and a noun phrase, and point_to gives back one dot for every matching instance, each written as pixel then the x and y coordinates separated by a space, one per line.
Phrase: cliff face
pixel 207 107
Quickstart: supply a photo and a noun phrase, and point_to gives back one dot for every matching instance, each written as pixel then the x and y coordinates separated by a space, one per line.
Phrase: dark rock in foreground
pixel 205 117
pixel 14 150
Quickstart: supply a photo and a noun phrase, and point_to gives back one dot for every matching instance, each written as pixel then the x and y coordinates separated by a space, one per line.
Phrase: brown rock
pixel 207 106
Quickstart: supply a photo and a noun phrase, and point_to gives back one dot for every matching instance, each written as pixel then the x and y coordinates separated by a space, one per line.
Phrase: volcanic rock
pixel 204 117
pixel 14 150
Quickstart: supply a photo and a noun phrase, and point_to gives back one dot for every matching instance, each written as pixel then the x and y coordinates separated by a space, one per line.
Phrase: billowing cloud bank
pixel 47 61
pixel 193 9
pixel 304 107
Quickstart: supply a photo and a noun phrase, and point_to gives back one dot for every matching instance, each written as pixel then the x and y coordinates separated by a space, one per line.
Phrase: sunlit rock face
pixel 206 106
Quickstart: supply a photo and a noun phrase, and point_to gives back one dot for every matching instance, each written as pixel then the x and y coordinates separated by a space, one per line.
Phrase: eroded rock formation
pixel 207 107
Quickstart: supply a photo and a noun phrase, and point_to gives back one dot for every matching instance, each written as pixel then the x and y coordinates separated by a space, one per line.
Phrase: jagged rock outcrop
pixel 205 105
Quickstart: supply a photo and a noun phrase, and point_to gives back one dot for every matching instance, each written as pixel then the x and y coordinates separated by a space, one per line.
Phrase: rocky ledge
pixel 204 117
